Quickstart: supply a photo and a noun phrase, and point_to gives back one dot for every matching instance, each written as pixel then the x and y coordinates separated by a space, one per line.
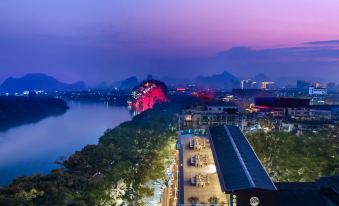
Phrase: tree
pixel 292 157
pixel 213 200
pixel 193 200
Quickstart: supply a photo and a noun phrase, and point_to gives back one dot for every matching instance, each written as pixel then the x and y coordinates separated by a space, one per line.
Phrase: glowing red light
pixel 152 93
pixel 263 107
pixel 205 95
pixel 181 89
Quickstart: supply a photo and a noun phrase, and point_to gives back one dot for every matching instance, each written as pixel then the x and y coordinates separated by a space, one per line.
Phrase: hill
pixel 224 81
pixel 38 81
pixel 128 83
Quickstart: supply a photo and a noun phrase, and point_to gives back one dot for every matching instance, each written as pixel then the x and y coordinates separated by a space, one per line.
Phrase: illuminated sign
pixel 254 201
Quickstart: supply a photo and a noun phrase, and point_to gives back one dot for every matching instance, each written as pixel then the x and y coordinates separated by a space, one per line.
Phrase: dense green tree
pixel 292 157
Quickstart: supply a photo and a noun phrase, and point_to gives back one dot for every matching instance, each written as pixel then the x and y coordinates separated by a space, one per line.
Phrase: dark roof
pixel 299 193
pixel 281 102
pixel 325 107
pixel 330 181
pixel 237 165
pixel 222 104
pixel 324 191
pixel 329 188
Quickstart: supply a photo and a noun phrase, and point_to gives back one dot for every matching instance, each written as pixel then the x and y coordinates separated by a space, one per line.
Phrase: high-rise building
pixel 267 85
pixel 248 84
pixel 332 87
pixel 302 84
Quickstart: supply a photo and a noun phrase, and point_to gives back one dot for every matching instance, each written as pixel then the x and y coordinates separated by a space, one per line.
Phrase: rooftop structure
pixel 299 193
pixel 297 108
pixel 198 179
pixel 282 102
pixel 325 112
pixel 237 163
pixel 322 192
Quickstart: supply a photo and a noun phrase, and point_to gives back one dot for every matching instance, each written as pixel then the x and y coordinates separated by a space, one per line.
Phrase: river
pixel 32 148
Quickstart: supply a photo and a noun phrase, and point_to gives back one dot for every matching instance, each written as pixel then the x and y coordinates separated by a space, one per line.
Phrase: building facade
pixel 205 116
pixel 317 91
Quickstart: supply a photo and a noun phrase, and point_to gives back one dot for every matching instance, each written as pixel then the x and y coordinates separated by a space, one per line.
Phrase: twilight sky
pixel 108 40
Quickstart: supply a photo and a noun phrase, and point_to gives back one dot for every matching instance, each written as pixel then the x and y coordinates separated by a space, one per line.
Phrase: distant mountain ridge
pixel 128 83
pixel 38 81
pixel 225 81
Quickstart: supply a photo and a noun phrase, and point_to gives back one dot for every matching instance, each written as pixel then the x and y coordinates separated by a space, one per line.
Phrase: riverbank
pixel 19 110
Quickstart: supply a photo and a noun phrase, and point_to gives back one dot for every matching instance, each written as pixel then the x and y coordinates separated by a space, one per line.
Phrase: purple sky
pixel 108 40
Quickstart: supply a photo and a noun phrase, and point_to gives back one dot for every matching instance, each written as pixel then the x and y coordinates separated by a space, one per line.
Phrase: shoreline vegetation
pixel 117 169
pixel 19 110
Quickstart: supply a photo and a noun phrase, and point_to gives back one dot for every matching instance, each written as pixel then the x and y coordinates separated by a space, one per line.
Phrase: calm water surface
pixel 32 148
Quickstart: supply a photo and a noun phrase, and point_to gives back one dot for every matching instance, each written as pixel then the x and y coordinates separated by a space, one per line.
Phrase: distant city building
pixel 311 124
pixel 221 108
pixel 248 84
pixel 228 98
pixel 302 84
pixel 267 85
pixel 325 112
pixel 283 106
pixel 318 99
pixel 317 84
pixel 332 87
pixel 204 116
pixel 287 127
pixel 317 91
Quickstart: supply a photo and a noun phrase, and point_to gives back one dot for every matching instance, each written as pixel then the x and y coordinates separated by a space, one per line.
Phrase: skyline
pixel 109 41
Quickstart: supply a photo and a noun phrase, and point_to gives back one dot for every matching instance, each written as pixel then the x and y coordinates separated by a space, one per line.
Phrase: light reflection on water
pixel 33 147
